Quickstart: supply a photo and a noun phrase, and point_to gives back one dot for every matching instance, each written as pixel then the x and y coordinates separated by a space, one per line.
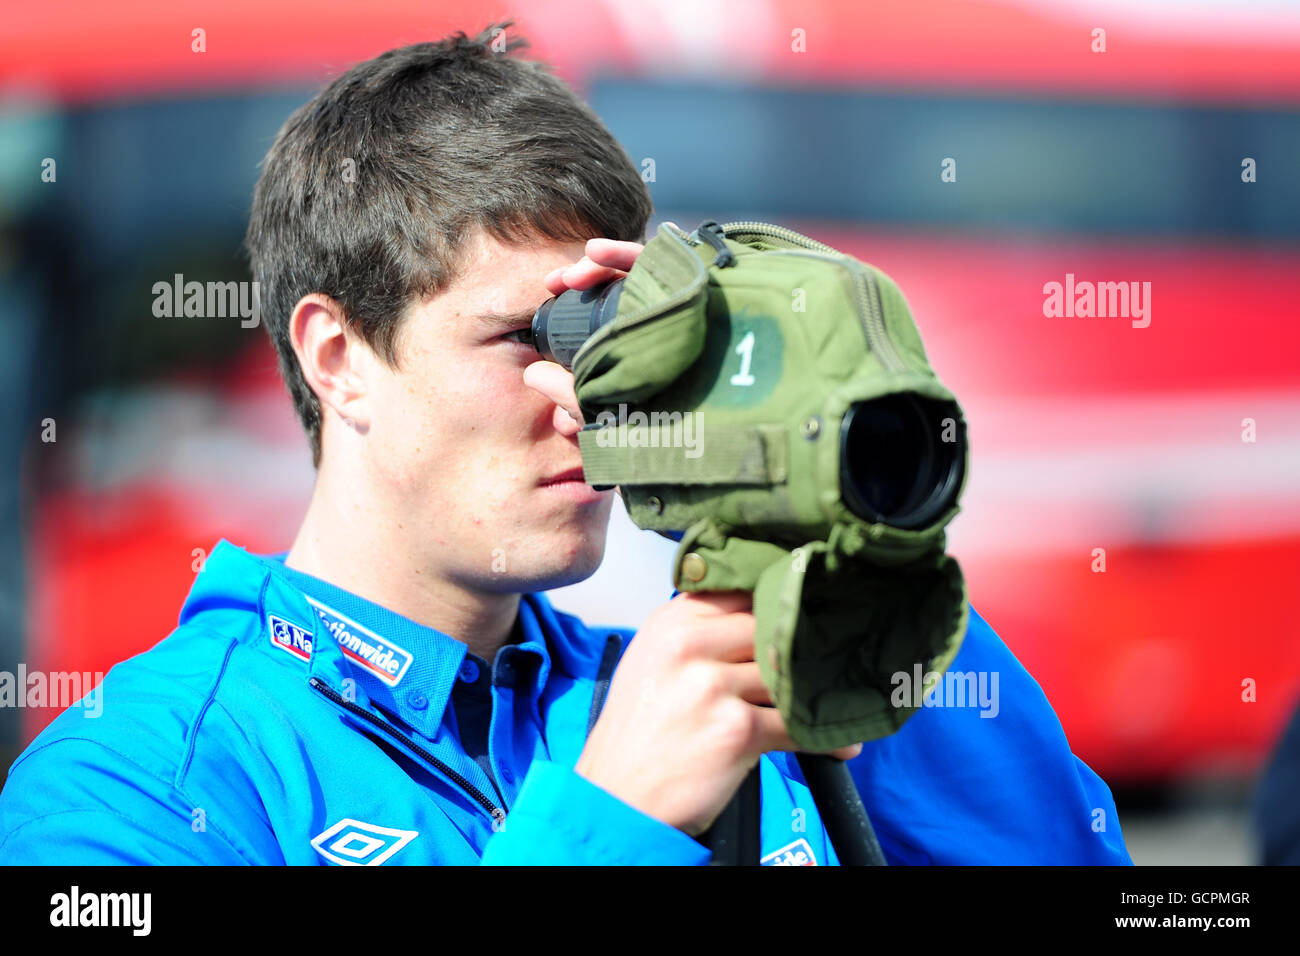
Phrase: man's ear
pixel 333 360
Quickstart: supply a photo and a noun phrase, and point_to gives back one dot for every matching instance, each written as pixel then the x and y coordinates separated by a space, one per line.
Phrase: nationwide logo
pixel 353 843
pixel 798 853
pixel 290 637
pixel 382 658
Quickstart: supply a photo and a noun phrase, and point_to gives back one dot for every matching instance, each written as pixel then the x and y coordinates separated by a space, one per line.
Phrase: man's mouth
pixel 571 485
pixel 573 474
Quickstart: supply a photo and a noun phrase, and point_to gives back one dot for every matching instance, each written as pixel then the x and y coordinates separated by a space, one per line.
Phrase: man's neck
pixel 372 559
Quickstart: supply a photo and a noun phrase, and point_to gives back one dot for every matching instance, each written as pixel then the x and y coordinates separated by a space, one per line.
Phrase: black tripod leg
pixel 841 810
pixel 734 836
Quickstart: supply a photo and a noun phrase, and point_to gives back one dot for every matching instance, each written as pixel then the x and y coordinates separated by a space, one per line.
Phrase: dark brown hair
pixel 370 188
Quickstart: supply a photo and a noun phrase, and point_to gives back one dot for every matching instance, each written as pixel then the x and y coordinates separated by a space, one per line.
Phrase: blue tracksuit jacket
pixel 288 721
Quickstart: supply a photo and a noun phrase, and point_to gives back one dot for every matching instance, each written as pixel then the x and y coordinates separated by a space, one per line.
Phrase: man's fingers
pixel 725 601
pixel 556 383
pixel 772 735
pixel 605 261
pixel 770 731
pixel 847 753
pixel 582 274
pixel 747 683
pixel 721 602
pixel 727 640
pixel 554 281
pixel 585 274
pixel 614 253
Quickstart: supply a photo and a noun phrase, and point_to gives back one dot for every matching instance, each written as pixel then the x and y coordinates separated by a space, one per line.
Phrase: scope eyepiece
pixel 563 323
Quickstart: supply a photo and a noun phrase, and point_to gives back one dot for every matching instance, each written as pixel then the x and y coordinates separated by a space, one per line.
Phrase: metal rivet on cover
pixel 693 567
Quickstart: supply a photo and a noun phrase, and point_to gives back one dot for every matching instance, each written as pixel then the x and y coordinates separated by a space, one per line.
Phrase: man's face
pixel 464 454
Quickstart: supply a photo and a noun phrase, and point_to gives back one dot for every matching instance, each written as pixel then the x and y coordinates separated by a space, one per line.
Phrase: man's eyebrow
pixel 504 320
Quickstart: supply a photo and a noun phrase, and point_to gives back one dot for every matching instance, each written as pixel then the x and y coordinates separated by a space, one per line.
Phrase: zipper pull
pixel 712 233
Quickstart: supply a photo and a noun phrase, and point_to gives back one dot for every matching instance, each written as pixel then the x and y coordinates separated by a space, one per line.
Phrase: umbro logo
pixel 353 843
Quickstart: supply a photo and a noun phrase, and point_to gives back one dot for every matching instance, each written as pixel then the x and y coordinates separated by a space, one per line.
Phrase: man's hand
pixel 688 715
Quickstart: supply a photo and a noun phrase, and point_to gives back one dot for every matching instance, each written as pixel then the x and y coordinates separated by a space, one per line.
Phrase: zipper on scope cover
pixel 870 307
pixel 496 813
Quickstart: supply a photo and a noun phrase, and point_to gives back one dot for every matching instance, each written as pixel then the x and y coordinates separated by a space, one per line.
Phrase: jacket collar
pixel 370 654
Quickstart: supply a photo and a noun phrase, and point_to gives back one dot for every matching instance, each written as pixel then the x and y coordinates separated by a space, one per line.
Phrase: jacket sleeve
pixel 75 802
pixel 563 819
pixel 988 784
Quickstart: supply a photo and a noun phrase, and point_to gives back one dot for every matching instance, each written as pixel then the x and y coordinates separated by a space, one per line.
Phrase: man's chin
pixel 552 561
pixel 582 564
pixel 559 578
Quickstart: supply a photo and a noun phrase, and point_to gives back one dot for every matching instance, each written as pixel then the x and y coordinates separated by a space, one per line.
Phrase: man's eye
pixel 523 336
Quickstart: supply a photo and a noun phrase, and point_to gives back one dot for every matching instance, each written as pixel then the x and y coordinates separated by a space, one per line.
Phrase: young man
pixel 396 688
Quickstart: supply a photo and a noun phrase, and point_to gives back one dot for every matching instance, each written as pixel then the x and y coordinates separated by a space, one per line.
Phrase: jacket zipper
pixel 325 690
pixel 870 307
pixel 608 660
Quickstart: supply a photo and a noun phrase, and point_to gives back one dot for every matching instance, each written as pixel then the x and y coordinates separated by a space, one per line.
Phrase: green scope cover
pixel 715 400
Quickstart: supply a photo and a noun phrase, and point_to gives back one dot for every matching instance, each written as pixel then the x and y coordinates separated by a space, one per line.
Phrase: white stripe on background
pixel 1059 475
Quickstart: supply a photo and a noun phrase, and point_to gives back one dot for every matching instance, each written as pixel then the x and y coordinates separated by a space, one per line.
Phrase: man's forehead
pixel 503 279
